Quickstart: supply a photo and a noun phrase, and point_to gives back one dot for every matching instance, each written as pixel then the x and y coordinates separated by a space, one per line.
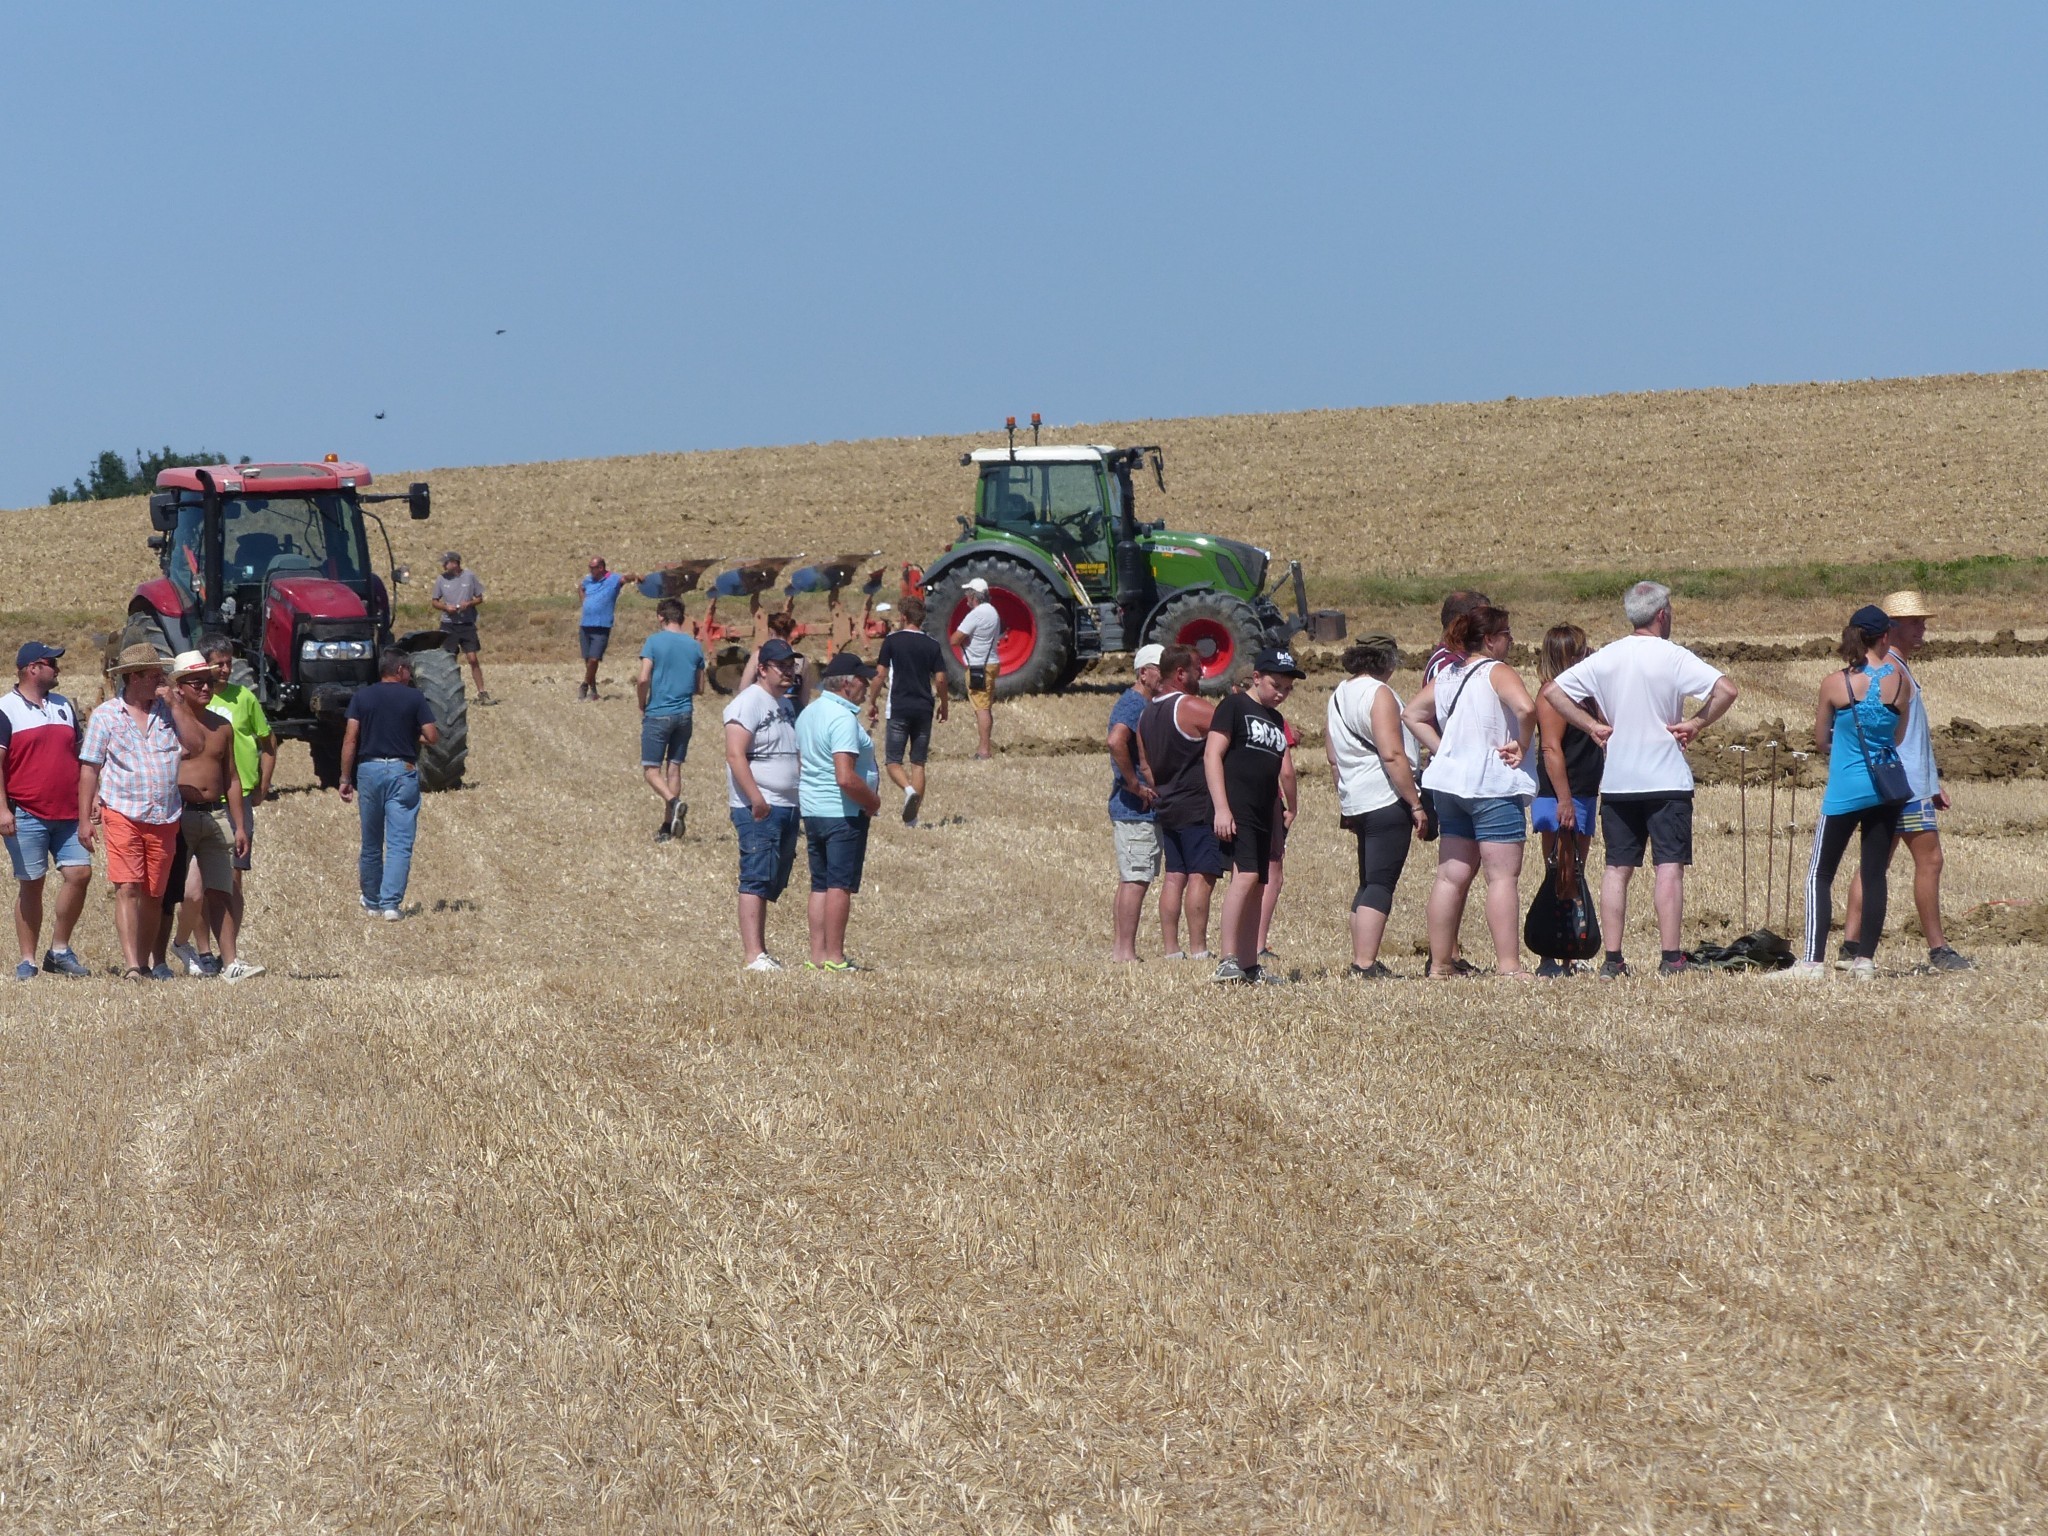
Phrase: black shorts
pixel 1251 851
pixel 459 637
pixel 1664 822
pixel 912 730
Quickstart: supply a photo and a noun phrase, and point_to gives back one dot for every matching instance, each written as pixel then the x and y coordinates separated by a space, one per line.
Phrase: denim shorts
pixel 767 850
pixel 664 739
pixel 1543 813
pixel 838 847
pixel 1493 819
pixel 912 731
pixel 593 640
pixel 37 844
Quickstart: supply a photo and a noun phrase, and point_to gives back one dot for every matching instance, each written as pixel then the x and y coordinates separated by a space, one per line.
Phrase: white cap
pixel 1147 656
pixel 978 585
pixel 883 608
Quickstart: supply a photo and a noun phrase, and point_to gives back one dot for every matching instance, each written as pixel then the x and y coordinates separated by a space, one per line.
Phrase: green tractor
pixel 1075 575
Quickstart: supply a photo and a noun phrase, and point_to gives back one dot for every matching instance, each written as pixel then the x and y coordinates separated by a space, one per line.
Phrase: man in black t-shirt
pixel 913 672
pixel 1246 748
pixel 380 749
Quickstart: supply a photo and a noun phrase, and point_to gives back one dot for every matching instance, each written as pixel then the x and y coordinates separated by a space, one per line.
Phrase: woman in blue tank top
pixel 1859 721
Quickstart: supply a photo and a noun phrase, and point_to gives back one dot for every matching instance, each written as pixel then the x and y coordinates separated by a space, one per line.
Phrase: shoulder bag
pixel 1888 774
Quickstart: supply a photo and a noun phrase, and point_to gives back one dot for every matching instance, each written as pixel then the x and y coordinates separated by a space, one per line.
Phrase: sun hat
pixel 1279 662
pixel 139 657
pixel 36 650
pixel 1871 620
pixel 1907 605
pixel 978 585
pixel 188 662
pixel 847 664
pixel 1147 656
pixel 883 608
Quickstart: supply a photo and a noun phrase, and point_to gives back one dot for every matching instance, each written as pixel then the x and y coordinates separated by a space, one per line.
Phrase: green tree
pixel 110 475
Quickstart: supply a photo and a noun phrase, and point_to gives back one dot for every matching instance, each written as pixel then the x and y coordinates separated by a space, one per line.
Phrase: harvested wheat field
pixel 534 1212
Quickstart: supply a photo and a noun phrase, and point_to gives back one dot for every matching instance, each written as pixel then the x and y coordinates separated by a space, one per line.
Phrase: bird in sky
pixel 501 330
pixel 380 415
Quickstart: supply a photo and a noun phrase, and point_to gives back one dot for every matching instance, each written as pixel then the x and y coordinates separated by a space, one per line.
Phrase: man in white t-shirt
pixel 761 772
pixel 981 629
pixel 1639 685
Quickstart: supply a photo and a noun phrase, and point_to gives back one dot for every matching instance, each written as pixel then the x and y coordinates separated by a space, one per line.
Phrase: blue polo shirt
pixel 830 725
pixel 601 600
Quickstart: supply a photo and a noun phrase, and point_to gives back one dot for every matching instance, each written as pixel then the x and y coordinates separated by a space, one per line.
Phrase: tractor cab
pixel 1061 500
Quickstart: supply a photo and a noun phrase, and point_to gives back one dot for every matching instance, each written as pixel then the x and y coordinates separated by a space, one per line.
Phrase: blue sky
pixel 252 227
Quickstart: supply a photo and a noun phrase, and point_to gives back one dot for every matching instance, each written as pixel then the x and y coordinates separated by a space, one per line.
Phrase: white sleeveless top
pixel 1466 763
pixel 1361 776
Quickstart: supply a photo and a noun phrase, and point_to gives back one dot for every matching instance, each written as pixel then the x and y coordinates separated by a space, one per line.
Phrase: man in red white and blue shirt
pixel 39 736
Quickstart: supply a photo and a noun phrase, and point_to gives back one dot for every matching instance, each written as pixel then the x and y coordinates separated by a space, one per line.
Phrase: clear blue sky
pixel 251 227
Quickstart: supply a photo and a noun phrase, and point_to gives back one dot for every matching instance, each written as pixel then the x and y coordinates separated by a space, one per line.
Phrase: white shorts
pixel 1137 851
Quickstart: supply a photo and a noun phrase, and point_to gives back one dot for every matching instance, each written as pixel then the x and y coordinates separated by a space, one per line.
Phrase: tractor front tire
pixel 1223 631
pixel 438 674
pixel 1037 648
pixel 325 745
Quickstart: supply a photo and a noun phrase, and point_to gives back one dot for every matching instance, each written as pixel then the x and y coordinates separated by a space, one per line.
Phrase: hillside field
pixel 534 1212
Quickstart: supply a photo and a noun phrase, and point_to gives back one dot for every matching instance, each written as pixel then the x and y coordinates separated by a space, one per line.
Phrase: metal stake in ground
pixel 1791 828
pixel 1771 838
pixel 1742 799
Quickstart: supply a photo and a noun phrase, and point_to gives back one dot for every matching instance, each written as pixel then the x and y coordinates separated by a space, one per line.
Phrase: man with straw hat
pixel 128 788
pixel 1909 614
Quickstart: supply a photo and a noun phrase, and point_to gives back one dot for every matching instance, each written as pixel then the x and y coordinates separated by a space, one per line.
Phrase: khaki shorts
pixel 1137 851
pixel 983 697
pixel 212 845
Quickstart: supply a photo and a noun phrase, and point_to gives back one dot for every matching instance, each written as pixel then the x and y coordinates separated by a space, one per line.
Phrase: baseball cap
pixel 1279 662
pixel 778 651
pixel 847 664
pixel 187 662
pixel 448 555
pixel 1871 619
pixel 978 585
pixel 1147 656
pixel 1907 605
pixel 35 650
pixel 883 608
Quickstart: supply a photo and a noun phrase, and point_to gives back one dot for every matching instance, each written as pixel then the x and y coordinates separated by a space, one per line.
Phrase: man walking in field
pixel 1173 733
pixel 763 772
pixel 39 736
pixel 457 594
pixel 213 822
pixel 1909 614
pixel 380 748
pixel 1131 800
pixel 1243 756
pixel 1640 684
pixel 671 677
pixel 979 634
pixel 838 795
pixel 128 789
pixel 600 593
pixel 911 668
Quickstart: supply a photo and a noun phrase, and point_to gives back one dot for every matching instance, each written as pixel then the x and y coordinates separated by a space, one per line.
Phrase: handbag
pixel 1563 923
pixel 1431 827
pixel 1888 775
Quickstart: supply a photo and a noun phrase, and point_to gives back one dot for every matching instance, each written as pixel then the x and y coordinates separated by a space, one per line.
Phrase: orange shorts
pixel 138 852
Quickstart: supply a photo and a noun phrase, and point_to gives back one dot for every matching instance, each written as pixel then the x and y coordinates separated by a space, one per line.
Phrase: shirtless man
pixel 215 825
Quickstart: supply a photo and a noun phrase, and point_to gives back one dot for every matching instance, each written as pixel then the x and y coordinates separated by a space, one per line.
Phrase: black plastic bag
pixel 1762 950
pixel 1563 922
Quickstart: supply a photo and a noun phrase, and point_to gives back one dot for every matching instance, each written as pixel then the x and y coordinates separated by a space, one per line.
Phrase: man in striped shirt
pixel 128 787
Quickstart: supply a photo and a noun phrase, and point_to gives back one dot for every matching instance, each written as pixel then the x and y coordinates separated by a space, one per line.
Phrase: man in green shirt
pixel 255 752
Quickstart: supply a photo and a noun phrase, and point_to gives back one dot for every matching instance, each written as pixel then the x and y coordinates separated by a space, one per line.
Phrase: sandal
pixel 134 973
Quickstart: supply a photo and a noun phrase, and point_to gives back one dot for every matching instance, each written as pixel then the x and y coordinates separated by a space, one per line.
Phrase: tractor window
pixel 262 534
pixel 1057 506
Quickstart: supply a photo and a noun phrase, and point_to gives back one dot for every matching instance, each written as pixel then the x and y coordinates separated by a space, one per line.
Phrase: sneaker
pixel 239 970
pixel 189 958
pixel 842 966
pixel 370 908
pixel 663 836
pixel 26 971
pixel 162 972
pixel 1863 968
pixel 1464 967
pixel 1946 959
pixel 1267 957
pixel 1228 970
pixel 1610 969
pixel 911 801
pixel 764 962
pixel 1200 954
pixel 1374 972
pixel 682 815
pixel 1265 976
pixel 1676 967
pixel 1803 970
pixel 392 914
pixel 668 817
pixel 483 698
pixel 1844 953
pixel 1178 954
pixel 62 962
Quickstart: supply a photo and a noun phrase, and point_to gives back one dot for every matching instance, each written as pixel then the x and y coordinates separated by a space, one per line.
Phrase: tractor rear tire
pixel 1223 631
pixel 438 674
pixel 1037 648
pixel 728 666
pixel 138 629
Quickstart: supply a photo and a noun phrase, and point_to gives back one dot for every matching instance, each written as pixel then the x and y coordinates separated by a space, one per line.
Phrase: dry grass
pixel 534 1213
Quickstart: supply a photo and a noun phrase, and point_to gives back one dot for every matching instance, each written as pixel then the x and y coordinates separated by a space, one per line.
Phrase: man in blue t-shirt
pixel 671 677
pixel 836 784
pixel 1130 803
pixel 380 749
pixel 600 593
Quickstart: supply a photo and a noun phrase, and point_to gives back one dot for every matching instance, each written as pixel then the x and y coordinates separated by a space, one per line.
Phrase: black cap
pixel 35 650
pixel 1871 620
pixel 1280 662
pixel 846 664
pixel 779 651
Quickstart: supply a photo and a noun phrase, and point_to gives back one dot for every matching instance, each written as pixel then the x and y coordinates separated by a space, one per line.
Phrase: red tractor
pixel 277 556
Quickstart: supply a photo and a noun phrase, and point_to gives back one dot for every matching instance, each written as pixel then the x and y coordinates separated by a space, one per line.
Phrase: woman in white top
pixel 1476 719
pixel 1374 758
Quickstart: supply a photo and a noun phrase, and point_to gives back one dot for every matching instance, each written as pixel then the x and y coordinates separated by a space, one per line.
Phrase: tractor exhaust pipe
pixel 211 539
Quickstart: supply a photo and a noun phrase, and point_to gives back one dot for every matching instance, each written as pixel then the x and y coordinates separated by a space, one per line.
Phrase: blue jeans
pixel 388 792
pixel 767 850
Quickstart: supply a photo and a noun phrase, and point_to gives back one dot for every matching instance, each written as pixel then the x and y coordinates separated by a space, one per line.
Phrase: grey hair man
pixel 1639 684
pixel 979 636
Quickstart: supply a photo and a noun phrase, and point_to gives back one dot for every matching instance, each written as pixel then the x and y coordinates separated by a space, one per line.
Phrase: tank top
pixel 1478 721
pixel 1916 751
pixel 1362 783
pixel 1849 786
pixel 1584 762
pixel 1177 768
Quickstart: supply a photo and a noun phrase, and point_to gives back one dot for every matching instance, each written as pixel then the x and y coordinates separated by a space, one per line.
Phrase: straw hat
pixel 1906 605
pixel 189 662
pixel 139 657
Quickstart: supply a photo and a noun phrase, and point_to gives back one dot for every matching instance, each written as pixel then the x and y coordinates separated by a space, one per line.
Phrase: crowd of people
pixel 167 775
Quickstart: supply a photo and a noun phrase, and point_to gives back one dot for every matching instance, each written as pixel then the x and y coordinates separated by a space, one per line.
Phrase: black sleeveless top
pixel 1177 767
pixel 1584 761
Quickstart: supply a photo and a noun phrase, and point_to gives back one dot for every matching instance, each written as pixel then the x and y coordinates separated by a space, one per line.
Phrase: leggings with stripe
pixel 1880 824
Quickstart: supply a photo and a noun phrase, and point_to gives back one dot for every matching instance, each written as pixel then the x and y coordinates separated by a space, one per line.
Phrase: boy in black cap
pixel 1246 749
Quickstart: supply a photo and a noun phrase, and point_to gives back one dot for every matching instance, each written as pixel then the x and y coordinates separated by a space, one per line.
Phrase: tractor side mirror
pixel 416 500
pixel 163 512
pixel 401 575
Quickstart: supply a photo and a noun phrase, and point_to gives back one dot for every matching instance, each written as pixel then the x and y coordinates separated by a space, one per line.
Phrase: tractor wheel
pixel 1068 673
pixel 1037 648
pixel 325 745
pixel 242 675
pixel 138 629
pixel 1221 630
pixel 438 674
